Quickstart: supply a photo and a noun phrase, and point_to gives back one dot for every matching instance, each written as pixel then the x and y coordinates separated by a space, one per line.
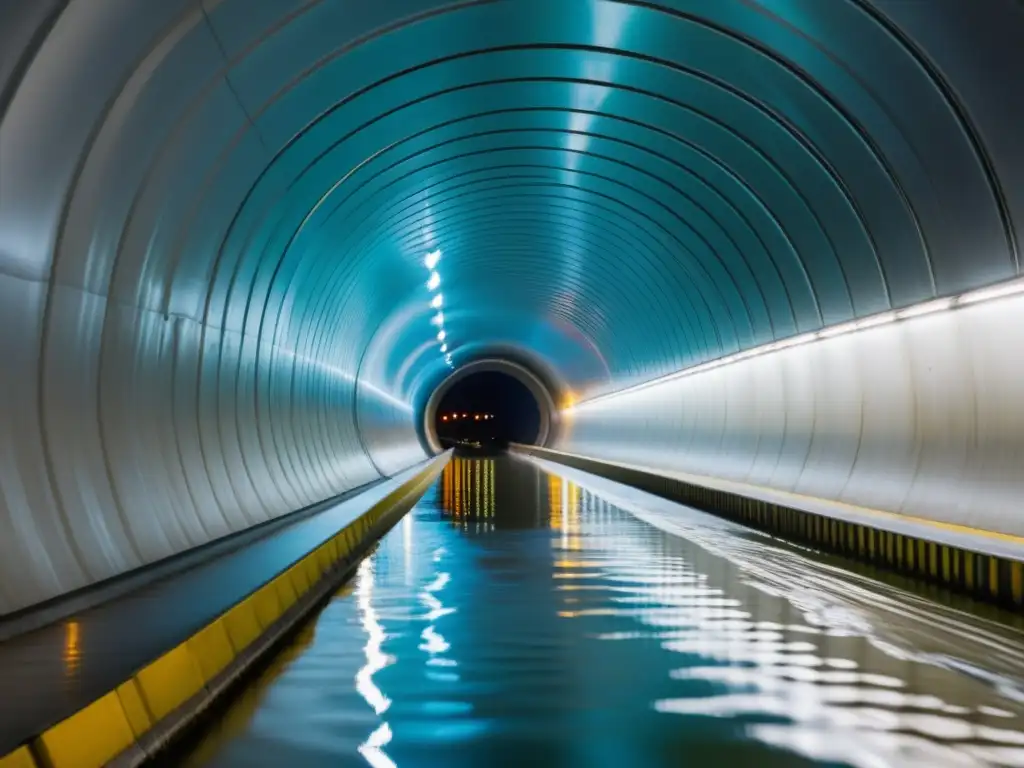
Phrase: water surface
pixel 519 618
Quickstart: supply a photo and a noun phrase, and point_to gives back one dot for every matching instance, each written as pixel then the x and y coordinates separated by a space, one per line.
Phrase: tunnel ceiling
pixel 618 189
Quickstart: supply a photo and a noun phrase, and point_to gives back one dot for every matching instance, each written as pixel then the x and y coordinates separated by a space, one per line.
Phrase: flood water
pixel 519 618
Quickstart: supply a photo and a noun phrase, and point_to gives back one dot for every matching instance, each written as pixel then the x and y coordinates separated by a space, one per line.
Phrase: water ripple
pixel 552 621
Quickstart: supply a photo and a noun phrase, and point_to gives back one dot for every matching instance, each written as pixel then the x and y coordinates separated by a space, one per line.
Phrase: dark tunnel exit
pixel 487 410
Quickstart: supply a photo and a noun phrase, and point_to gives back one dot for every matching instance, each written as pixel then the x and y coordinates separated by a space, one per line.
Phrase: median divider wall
pixel 984 565
pixel 143 714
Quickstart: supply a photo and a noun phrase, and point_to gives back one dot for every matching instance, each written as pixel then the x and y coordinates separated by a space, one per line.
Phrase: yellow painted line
pixel 169 682
pixel 286 592
pixel 299 578
pixel 322 558
pixel 267 606
pixel 19 758
pixel 241 624
pixel 312 568
pixel 332 550
pixel 211 648
pixel 89 738
pixel 134 707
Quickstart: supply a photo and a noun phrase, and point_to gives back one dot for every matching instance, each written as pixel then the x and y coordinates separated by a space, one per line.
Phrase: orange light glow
pixel 72 653
pixel 476 417
pixel 444 418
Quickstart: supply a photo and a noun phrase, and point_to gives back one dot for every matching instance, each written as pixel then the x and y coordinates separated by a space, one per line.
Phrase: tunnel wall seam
pixel 979 574
pixel 142 715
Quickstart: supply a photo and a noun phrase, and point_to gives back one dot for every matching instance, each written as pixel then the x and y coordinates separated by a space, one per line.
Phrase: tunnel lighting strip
pixel 430 261
pixel 999 291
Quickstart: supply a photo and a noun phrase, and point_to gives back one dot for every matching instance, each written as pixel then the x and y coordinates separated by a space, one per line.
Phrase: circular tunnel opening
pixel 489 403
pixel 487 410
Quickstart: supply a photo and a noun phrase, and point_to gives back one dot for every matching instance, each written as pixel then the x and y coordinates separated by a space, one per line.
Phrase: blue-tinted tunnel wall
pixel 215 221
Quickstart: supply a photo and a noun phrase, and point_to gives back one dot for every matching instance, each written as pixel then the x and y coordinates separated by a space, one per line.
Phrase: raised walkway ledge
pixel 116 683
pixel 986 565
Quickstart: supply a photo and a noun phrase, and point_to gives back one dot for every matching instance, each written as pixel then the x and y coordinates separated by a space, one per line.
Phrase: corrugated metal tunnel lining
pixel 214 218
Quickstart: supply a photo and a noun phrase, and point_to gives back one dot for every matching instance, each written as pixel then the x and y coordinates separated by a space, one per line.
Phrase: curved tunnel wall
pixel 156 395
pixel 921 416
pixel 214 213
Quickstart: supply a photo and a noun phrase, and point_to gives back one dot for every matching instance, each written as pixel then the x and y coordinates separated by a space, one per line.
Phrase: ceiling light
pixel 437 301
pixel 434 281
pixel 438 319
pixel 441 335
pixel 838 330
pixel 431 259
pixel 1000 290
pixel 444 347
pixel 997 291
pixel 927 308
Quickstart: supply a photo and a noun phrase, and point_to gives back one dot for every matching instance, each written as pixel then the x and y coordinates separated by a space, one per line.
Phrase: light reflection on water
pixel 516 618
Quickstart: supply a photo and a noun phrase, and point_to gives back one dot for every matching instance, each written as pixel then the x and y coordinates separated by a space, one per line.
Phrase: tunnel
pixel 246 247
